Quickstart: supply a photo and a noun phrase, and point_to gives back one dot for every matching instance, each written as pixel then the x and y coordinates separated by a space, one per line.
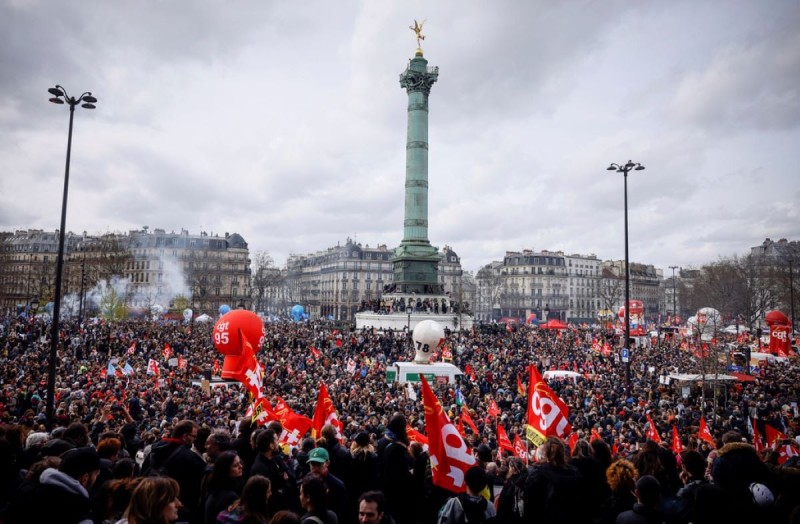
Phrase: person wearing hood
pixel 61 495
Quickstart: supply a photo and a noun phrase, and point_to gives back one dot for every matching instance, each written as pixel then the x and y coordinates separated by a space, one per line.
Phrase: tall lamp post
pixel 674 296
pixel 87 101
pixel 624 168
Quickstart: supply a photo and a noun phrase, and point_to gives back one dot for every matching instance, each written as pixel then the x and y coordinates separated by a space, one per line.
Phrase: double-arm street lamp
pixel 624 168
pixel 87 101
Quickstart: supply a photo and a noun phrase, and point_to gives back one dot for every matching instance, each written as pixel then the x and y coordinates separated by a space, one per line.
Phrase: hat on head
pixel 75 462
pixel 362 438
pixel 319 455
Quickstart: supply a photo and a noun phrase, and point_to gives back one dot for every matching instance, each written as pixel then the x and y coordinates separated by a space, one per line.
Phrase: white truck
pixel 435 372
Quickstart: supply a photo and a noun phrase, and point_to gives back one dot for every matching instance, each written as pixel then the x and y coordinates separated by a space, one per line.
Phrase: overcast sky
pixel 285 122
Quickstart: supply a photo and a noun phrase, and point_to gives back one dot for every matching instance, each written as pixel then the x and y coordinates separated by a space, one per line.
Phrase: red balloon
pixel 226 331
pixel 231 367
pixel 776 318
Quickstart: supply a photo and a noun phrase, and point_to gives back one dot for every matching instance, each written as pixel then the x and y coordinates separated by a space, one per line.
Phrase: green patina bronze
pixel 416 261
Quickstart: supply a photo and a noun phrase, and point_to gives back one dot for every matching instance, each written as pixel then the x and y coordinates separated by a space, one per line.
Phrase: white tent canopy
pixel 561 374
pixel 696 377
pixel 203 318
pixel 735 330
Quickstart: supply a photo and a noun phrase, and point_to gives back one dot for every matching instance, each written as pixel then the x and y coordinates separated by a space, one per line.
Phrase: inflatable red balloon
pixel 231 367
pixel 776 318
pixel 226 331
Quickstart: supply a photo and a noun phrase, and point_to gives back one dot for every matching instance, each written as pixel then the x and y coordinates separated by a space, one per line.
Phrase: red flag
pixel 595 435
pixel 294 429
pixel 261 411
pixel 520 449
pixel 182 364
pixel 167 351
pixel 677 445
pixel 509 328
pixel 520 387
pixel 315 352
pixel 650 430
pixel 758 441
pixel 705 434
pixel 152 368
pixel 416 436
pixel 785 452
pixel 503 441
pixel 324 413
pixel 547 414
pixel 466 418
pixel 249 371
pixel 103 373
pixel 773 435
pixel 216 367
pixel 132 349
pixel 460 428
pixel 449 455
pixel 573 439
pixel 494 411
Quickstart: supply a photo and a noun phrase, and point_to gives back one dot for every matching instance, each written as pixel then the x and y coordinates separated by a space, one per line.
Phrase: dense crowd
pixel 134 432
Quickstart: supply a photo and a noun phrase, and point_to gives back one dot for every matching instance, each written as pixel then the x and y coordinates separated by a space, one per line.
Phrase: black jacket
pixel 182 464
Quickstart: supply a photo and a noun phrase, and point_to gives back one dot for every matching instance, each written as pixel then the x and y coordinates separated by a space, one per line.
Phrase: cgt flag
pixel 650 430
pixel 704 434
pixel 449 455
pixel 520 448
pixel 677 445
pixel 249 371
pixel 503 440
pixel 547 414
pixel 325 413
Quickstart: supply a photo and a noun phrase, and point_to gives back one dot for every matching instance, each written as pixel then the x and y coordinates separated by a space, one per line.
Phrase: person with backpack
pixel 470 507
pixel 510 503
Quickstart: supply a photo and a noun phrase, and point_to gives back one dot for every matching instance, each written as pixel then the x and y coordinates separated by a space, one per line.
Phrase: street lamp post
pixel 87 101
pixel 674 299
pixel 624 168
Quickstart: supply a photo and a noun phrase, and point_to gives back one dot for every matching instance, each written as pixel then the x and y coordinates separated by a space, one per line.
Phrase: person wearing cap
pixel 62 495
pixel 319 462
pixel 471 506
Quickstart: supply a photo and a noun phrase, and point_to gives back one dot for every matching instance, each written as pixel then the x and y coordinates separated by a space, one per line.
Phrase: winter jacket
pixel 464 509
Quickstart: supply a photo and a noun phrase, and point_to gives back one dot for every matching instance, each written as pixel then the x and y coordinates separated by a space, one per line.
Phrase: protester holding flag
pixel 552 489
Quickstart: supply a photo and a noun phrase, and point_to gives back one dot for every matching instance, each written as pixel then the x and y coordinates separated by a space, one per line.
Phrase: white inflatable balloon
pixel 428 338
pixel 187 314
pixel 708 318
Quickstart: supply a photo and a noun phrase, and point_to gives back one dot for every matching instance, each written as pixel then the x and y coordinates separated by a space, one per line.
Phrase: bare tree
pixel 110 257
pixel 612 290
pixel 265 282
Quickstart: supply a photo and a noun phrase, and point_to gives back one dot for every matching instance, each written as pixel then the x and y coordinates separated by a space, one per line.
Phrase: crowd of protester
pixel 133 447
